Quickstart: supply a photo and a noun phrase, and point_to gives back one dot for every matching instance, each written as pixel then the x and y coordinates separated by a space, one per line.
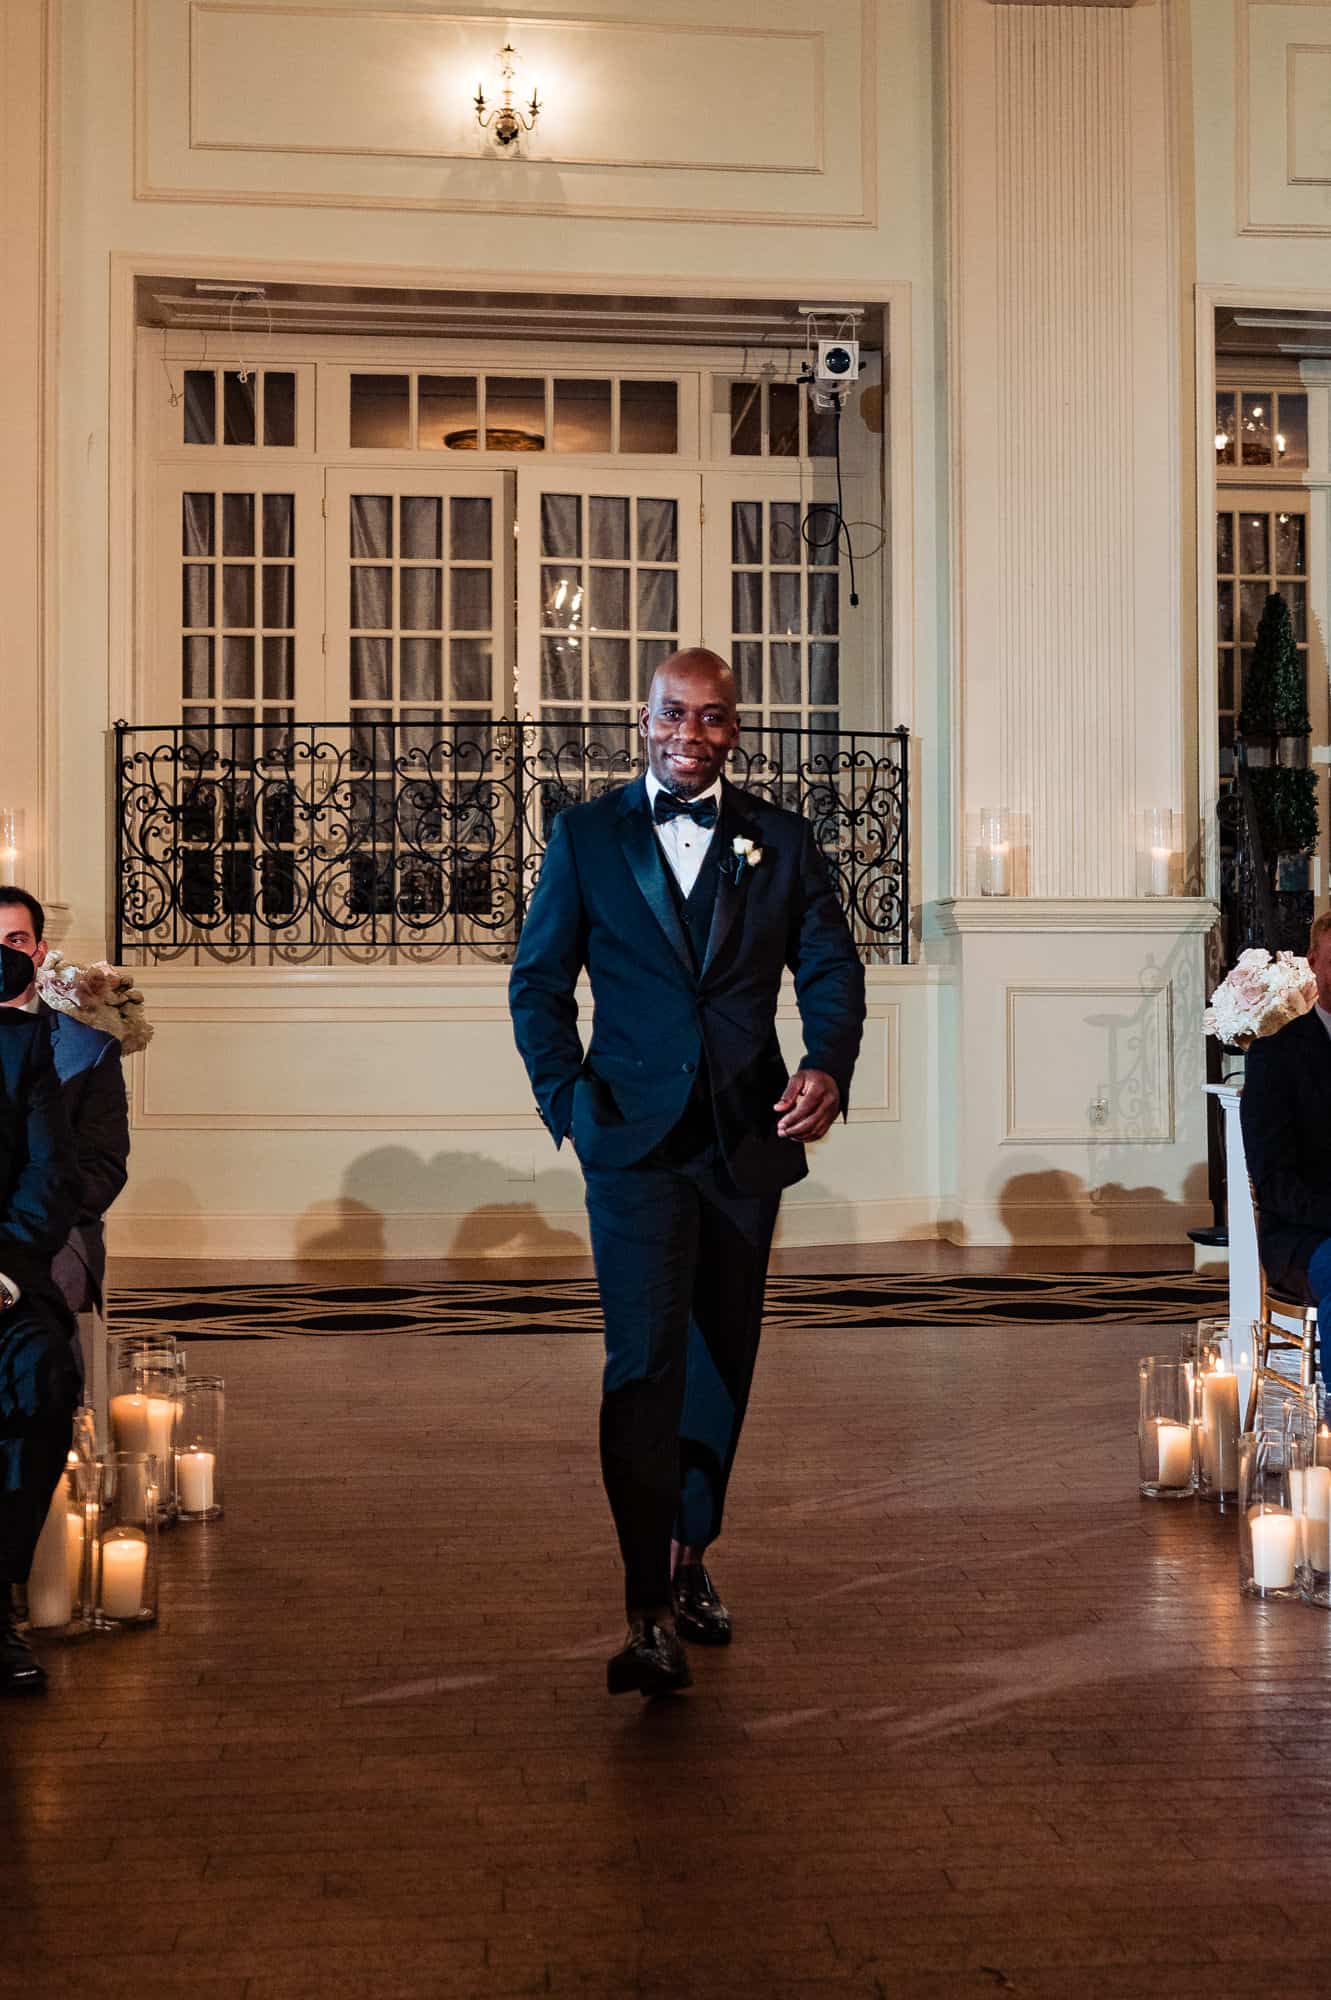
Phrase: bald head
pixel 689 722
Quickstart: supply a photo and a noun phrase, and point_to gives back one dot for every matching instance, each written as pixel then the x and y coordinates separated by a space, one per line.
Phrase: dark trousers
pixel 40 1378
pixel 681 1261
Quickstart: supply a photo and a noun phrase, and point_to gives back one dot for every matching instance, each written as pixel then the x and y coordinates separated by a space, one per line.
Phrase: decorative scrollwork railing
pixel 1252 910
pixel 422 841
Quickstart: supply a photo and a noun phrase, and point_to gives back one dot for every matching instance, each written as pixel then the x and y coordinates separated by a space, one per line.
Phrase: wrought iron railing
pixel 1252 910
pixel 422 841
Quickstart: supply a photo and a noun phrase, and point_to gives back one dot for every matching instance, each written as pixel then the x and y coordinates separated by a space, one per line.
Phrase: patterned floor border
pixel 809 1303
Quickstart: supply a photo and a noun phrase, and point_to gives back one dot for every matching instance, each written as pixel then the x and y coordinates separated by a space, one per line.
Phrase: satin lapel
pixel 730 894
pixel 642 851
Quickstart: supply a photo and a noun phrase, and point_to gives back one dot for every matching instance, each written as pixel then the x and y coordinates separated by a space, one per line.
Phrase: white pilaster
pixel 1080 1053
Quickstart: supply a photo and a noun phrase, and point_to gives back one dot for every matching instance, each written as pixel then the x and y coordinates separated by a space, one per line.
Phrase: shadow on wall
pixel 1053 1206
pixel 394 1203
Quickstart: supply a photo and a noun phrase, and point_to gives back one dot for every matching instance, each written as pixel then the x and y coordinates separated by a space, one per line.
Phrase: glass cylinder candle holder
pixel 1159 851
pixel 1268 1524
pixel 1164 1428
pixel 1216 1423
pixel 994 852
pixel 144 1383
pixel 124 1555
pixel 58 1591
pixel 199 1449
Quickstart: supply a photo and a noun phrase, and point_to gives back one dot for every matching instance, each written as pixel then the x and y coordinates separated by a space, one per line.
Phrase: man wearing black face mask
pixel 39 1361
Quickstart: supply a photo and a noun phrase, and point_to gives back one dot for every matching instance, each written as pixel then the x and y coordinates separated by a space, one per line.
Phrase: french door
pixel 609 584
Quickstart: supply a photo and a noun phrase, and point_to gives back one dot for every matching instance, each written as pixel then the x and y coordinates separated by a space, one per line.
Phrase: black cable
pixel 839 535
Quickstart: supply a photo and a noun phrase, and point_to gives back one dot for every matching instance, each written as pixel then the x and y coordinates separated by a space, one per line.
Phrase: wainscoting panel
pixel 1089 1063
pixel 1282 86
pixel 385 1112
pixel 714 113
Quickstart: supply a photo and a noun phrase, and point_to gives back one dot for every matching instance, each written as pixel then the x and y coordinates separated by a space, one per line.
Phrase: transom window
pixel 513 413
pixel 1261 429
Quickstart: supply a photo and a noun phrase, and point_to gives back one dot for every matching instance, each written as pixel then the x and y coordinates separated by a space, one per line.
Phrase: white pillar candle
pixel 998 868
pixel 1310 1493
pixel 1160 870
pixel 1174 1442
pixel 194 1481
pixel 74 1551
pixel 1274 1542
pixel 50 1601
pixel 143 1423
pixel 1220 1430
pixel 124 1565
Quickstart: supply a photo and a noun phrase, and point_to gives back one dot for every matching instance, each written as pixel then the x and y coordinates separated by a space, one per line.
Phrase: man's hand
pixel 809 1102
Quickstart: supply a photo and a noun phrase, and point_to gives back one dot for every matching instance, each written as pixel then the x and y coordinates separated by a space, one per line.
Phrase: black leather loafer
pixel 651 1663
pixel 21 1672
pixel 700 1615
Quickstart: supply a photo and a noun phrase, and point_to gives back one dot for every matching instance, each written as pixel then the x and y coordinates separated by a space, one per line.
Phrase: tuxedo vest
pixel 697 908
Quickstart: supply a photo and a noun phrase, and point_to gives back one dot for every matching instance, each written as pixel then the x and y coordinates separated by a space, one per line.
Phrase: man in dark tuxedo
pixel 1286 1113
pixel 685 900
pixel 39 1360
pixel 92 1084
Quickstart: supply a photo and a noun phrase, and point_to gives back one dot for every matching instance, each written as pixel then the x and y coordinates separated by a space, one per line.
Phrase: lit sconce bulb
pixel 1221 440
pixel 1280 440
pixel 1257 409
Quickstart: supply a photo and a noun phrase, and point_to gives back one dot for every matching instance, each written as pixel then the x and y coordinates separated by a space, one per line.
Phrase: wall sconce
pixel 11 842
pixel 508 120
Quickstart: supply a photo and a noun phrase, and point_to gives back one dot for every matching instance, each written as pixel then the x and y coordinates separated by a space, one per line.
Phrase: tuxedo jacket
pixel 39 1176
pixel 92 1085
pixel 604 903
pixel 1286 1115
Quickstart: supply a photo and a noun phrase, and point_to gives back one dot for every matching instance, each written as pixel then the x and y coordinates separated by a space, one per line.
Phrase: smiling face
pixel 689 723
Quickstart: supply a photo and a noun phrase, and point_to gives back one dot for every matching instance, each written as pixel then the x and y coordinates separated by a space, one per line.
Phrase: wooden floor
pixel 990 1723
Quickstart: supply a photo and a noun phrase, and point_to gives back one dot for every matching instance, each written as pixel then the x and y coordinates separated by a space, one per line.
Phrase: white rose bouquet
pixel 100 995
pixel 1259 996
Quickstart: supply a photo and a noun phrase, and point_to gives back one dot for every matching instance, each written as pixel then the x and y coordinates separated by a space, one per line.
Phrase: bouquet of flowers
pixel 100 995
pixel 1261 994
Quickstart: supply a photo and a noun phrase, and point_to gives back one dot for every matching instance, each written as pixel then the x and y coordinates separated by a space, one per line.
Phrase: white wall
pixel 631 178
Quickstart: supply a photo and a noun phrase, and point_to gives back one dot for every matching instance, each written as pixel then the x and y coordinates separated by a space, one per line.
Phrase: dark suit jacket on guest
pixel 39 1190
pixel 1286 1114
pixel 604 902
pixel 92 1085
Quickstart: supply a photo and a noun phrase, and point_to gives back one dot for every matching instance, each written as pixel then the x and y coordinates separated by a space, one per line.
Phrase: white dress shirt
pixel 683 842
pixel 1322 1015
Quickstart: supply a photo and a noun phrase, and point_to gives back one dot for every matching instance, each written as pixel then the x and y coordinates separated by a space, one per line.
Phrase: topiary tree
pixel 1275 697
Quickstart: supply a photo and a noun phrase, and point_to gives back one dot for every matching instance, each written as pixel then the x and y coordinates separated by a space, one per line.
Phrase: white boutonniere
pixel 747 854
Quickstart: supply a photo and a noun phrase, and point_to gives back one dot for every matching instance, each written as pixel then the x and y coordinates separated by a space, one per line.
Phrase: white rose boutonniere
pixel 747 854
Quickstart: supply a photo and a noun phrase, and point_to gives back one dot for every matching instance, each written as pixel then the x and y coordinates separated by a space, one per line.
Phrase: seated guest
pixel 1286 1113
pixel 92 1084
pixel 39 1357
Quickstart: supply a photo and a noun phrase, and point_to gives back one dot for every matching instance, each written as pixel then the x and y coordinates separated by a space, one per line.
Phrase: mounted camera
pixel 838 363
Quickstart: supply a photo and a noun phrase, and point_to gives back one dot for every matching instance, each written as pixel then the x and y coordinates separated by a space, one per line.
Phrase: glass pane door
pixel 1261 546
pixel 609 584
pixel 239 627
pixel 419 615
pixel 777 602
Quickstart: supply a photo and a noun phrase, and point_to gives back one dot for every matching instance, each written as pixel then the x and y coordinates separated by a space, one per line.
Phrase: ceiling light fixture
pixel 506 121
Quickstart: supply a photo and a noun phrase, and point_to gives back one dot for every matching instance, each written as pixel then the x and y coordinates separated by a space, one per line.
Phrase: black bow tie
pixel 666 807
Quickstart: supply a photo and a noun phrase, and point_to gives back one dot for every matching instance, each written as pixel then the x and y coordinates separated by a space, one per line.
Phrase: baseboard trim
pixel 519 1231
